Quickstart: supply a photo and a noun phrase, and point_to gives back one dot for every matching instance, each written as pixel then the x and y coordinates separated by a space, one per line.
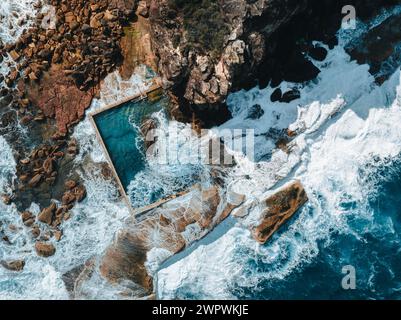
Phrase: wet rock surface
pixel 13 265
pixel 164 228
pixel 279 208
pixel 45 249
pixel 259 42
pixel 380 48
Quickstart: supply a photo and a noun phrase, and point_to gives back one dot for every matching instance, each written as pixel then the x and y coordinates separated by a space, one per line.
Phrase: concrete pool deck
pixel 135 98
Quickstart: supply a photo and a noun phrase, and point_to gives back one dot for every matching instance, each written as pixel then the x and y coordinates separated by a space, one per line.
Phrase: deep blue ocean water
pixel 372 246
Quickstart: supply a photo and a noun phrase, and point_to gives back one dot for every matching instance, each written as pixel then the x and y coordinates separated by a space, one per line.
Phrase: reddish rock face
pixel 58 97
pixel 278 208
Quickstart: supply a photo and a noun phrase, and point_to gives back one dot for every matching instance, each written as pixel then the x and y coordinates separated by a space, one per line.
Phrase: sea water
pixel 120 131
pixel 347 155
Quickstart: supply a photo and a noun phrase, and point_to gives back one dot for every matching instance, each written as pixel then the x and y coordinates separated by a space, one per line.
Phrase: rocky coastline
pixel 202 51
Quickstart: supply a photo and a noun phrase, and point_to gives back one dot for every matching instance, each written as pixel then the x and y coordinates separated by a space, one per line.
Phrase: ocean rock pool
pixel 119 129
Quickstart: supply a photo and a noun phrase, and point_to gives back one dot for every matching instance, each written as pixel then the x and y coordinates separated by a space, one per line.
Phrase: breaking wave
pixel 348 131
pixel 346 154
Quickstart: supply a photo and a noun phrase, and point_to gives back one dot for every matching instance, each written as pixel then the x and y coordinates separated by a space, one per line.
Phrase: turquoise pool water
pixel 119 129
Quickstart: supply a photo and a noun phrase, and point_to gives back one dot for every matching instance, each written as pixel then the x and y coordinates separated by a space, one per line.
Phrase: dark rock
pixel 318 53
pixel 299 69
pixel 276 95
pixel 290 96
pixel 255 112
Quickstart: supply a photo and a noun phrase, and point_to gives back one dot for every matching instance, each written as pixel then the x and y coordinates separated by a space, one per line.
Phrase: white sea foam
pixel 170 168
pixel 15 16
pixel 113 89
pixel 93 222
pixel 343 119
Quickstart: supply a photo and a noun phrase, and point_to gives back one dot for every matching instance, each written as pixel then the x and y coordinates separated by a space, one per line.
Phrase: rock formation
pixel 164 229
pixel 278 208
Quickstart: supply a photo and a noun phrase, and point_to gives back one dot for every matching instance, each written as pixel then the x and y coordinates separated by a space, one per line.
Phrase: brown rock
pixel 32 76
pixel 14 55
pixel 47 214
pixel 143 9
pixel 80 193
pixel 57 235
pixel 58 97
pixel 68 198
pixel 25 161
pixel 70 184
pixel 67 216
pixel 28 218
pixel 6 199
pixel 279 207
pixel 125 259
pixel 29 222
pixel 44 249
pixel 35 232
pixel 69 17
pixel 13 265
pixel 48 165
pixel 26 120
pixel 35 180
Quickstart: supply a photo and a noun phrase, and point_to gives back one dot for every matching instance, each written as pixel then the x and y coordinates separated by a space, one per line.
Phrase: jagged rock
pixel 161 226
pixel 13 265
pixel 44 249
pixel 277 208
pixel 208 73
pixel 35 180
pixel 47 214
pixel 58 97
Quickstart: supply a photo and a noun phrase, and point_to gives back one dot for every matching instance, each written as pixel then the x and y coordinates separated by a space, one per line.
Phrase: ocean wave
pixel 343 121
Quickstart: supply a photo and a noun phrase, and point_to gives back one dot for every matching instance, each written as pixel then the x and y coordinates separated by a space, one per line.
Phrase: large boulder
pixel 277 208
pixel 13 265
pixel 44 249
pixel 47 214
